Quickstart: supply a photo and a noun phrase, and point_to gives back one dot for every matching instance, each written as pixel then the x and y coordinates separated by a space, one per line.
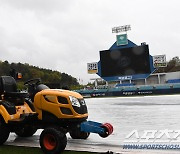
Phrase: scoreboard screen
pixel 127 61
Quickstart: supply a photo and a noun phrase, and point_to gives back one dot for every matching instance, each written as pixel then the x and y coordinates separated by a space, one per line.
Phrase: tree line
pixel 54 79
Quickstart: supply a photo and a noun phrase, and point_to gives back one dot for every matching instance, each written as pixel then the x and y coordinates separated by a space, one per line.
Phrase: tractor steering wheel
pixel 31 82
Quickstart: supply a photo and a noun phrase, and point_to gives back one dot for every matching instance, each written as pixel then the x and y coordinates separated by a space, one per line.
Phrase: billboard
pixel 159 61
pixel 92 68
pixel 125 61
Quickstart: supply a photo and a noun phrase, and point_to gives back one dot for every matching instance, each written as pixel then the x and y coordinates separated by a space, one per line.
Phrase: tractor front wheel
pixel 4 131
pixel 52 141
pixel 77 134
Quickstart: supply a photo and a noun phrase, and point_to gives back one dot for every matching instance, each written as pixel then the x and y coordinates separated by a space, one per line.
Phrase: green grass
pixel 7 149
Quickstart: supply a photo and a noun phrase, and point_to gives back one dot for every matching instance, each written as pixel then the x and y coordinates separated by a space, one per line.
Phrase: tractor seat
pixel 8 89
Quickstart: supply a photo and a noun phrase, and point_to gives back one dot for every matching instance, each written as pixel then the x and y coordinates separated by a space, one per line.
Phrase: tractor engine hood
pixel 63 92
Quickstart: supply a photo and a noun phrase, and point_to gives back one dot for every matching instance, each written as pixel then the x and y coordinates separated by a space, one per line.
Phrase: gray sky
pixel 65 35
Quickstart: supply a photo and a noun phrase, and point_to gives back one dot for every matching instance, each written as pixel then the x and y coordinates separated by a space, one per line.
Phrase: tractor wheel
pixel 52 141
pixel 77 134
pixel 4 131
pixel 26 131
pixel 108 130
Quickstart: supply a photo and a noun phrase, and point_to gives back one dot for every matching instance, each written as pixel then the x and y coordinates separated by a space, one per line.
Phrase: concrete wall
pixel 152 80
pixel 139 82
pixel 172 75
pixel 163 79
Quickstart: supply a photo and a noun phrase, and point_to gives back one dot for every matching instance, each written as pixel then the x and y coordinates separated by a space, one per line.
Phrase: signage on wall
pixel 159 61
pixel 121 39
pixel 92 68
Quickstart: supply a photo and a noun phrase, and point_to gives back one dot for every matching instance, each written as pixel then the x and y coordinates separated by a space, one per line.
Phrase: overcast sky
pixel 65 35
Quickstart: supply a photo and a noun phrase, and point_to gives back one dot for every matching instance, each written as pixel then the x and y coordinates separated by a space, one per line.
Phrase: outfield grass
pixel 7 149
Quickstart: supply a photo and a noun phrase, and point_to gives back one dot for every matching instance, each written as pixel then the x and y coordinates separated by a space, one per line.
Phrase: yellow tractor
pixel 56 111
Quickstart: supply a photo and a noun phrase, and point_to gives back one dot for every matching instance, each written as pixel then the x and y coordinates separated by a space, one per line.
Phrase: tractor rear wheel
pixel 52 141
pixel 4 131
pixel 26 131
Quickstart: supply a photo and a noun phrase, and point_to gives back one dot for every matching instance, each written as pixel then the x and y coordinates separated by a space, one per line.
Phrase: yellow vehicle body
pixel 20 110
pixel 56 111
pixel 48 100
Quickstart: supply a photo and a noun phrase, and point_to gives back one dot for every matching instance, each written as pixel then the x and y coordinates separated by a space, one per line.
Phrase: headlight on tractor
pixel 74 101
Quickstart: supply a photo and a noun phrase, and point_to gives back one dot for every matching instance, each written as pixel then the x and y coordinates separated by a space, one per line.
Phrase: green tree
pixel 55 78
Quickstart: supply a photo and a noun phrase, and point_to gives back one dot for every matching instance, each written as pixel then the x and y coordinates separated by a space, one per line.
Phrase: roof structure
pixel 129 45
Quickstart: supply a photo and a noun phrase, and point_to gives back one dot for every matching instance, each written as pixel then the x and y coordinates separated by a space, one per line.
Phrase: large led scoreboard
pixel 128 62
